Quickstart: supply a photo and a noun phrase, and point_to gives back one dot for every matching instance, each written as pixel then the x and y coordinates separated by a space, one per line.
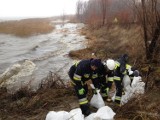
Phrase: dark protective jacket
pixel 81 71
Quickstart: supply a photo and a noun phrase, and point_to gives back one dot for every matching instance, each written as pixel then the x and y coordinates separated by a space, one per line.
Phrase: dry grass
pixel 53 94
pixel 26 27
pixel 112 42
pixel 144 107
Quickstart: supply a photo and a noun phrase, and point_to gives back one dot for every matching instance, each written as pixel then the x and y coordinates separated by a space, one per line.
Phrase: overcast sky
pixel 36 8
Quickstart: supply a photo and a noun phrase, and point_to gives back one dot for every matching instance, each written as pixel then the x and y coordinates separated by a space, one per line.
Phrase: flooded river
pixel 49 52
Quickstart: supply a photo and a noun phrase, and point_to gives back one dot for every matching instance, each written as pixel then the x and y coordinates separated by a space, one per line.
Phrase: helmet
pixel 110 64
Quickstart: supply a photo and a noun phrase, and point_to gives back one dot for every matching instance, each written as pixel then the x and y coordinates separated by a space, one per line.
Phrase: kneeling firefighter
pixel 120 68
pixel 79 73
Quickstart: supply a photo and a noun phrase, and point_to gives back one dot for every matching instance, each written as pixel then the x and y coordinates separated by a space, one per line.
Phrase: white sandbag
pixel 104 113
pixel 62 115
pixel 76 114
pixel 139 88
pixel 97 100
pixel 136 80
pixel 136 89
pixel 126 81
pixel 127 96
pixel 90 117
pixel 50 115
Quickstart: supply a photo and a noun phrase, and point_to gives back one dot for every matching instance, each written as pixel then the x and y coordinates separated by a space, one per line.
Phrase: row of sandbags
pixel 103 113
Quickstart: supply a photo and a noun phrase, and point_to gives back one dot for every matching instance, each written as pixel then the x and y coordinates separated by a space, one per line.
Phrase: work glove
pixel 81 91
pixel 130 72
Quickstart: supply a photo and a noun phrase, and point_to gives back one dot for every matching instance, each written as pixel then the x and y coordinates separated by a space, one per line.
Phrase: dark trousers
pixel 119 90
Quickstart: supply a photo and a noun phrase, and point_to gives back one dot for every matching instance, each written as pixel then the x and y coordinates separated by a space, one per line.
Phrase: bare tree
pixel 103 4
pixel 144 24
pixel 148 13
pixel 151 26
pixel 63 17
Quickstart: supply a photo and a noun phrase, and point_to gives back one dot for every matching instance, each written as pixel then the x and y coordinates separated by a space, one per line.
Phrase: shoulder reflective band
pixel 77 77
pixel 117 64
pixel 117 78
pixel 76 63
pixel 83 101
pixel 110 79
pixel 128 67
pixel 95 76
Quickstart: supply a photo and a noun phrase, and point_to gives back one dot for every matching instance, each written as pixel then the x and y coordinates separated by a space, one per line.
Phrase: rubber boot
pixel 85 109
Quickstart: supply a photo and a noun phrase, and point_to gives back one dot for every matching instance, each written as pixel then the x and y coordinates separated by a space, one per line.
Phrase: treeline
pixel 101 12
pixel 144 13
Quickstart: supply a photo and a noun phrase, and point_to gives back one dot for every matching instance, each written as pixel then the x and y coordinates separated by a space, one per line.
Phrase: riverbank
pixel 111 42
pixel 54 95
pixel 29 105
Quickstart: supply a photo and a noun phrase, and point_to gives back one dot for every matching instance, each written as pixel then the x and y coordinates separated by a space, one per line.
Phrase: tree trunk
pixel 156 35
pixel 145 29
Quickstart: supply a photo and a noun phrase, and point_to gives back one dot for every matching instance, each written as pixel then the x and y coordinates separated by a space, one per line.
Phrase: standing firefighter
pixel 119 68
pixel 79 73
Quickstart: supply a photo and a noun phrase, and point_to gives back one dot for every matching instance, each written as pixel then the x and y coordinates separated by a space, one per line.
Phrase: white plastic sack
pixel 104 113
pixel 76 114
pixel 97 100
pixel 62 115
pixel 136 88
pixel 126 82
pixel 136 80
pixel 127 96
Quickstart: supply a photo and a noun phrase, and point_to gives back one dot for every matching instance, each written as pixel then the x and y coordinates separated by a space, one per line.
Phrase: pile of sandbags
pixel 131 89
pixel 103 113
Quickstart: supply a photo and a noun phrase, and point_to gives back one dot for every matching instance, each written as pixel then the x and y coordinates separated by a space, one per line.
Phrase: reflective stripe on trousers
pixel 117 98
pixel 83 101
pixel 117 78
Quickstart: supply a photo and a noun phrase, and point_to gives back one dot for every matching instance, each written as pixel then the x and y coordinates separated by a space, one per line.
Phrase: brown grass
pixel 53 94
pixel 111 42
pixel 26 27
pixel 144 107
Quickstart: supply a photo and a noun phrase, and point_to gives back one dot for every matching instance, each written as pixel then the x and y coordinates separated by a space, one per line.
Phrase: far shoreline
pixel 26 27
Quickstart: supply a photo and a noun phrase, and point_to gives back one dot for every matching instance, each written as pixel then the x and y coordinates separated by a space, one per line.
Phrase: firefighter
pixel 79 73
pixel 119 68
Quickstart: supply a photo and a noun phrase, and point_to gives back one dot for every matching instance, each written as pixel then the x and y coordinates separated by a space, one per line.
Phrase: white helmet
pixel 110 64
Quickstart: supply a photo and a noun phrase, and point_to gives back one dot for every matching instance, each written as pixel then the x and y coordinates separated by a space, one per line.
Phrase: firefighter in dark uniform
pixel 120 68
pixel 79 73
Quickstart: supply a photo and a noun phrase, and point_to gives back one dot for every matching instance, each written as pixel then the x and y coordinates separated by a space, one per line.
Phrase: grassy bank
pixel 143 107
pixel 26 27
pixel 110 42
pixel 53 95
